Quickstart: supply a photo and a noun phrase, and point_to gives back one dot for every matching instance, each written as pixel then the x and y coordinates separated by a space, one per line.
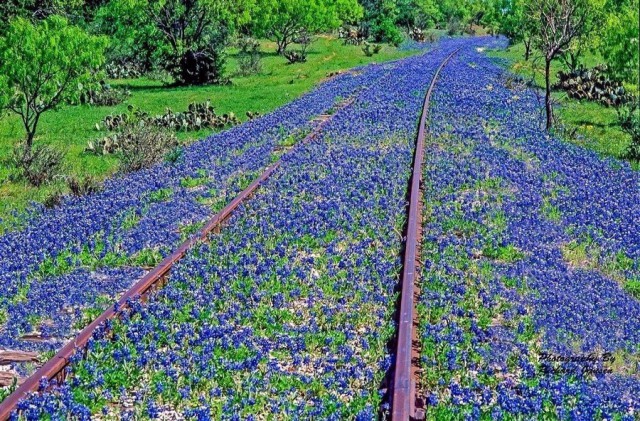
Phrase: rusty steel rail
pixel 54 369
pixel 403 403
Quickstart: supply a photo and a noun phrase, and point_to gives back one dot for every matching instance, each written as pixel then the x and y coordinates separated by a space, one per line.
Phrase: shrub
pixel 39 164
pixel 371 49
pixel 454 27
pixel 143 147
pixel 174 155
pixel 300 55
pixel 84 186
pixel 629 119
pixel 249 58
pixel 417 34
pixel 295 56
pixel 124 70
pixel 104 95
pixel 198 116
pixel 431 36
pixel 198 67
pixel 352 35
pixel 593 85
pixel 52 200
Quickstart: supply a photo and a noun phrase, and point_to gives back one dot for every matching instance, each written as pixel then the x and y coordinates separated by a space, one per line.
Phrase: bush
pixel 629 119
pixel 84 186
pixel 199 68
pixel 454 27
pixel 304 39
pixel 371 49
pixel 431 36
pixel 592 85
pixel 104 95
pixel 38 165
pixel 295 56
pixel 124 70
pixel 352 35
pixel 141 148
pixel 174 155
pixel 198 116
pixel 249 58
pixel 52 200
pixel 387 31
pixel 417 34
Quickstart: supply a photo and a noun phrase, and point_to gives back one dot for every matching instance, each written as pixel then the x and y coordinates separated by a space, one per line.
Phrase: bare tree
pixel 556 24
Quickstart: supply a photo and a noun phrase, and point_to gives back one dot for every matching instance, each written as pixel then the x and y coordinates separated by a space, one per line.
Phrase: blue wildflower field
pixel 530 260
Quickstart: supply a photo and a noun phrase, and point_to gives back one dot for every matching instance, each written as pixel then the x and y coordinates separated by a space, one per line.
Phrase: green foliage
pixel 160 195
pixel 417 13
pixel 619 45
pixel 70 128
pixel 42 65
pixel 184 37
pixel 38 165
pixel 380 21
pixel 512 20
pixel 141 148
pixel 38 9
pixel 629 119
pixel 82 187
pixel 283 21
pixel 130 31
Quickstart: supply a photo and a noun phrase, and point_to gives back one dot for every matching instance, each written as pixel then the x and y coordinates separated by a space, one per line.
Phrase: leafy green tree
pixel 41 66
pixel 38 9
pixel 589 37
pixel 620 44
pixel 284 21
pixel 556 24
pixel 514 23
pixel 380 20
pixel 417 13
pixel 130 32
pixel 454 10
pixel 185 37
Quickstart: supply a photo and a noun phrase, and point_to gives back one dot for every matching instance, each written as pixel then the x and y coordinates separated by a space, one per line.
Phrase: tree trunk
pixel 547 99
pixel 527 49
pixel 29 142
pixel 282 45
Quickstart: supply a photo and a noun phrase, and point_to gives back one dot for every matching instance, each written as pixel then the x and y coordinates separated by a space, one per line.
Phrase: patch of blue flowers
pixel 137 215
pixel 529 246
pixel 288 311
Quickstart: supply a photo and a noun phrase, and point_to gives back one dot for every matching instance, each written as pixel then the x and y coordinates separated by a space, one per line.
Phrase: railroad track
pixel 405 403
pixel 54 370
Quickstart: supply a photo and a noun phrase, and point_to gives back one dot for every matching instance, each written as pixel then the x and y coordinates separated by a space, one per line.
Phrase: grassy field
pixel 596 123
pixel 71 127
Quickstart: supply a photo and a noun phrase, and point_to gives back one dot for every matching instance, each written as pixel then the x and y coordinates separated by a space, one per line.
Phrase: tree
pixel 380 20
pixel 186 37
pixel 283 21
pixel 620 44
pixel 588 38
pixel 556 23
pixel 130 30
pixel 417 13
pixel 42 65
pixel 514 22
pixel 38 9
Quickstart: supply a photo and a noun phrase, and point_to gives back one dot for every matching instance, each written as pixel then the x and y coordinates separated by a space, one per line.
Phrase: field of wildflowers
pixel 68 263
pixel 531 246
pixel 529 288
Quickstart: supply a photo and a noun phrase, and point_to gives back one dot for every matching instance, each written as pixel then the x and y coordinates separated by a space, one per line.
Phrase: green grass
pixel 595 122
pixel 71 127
